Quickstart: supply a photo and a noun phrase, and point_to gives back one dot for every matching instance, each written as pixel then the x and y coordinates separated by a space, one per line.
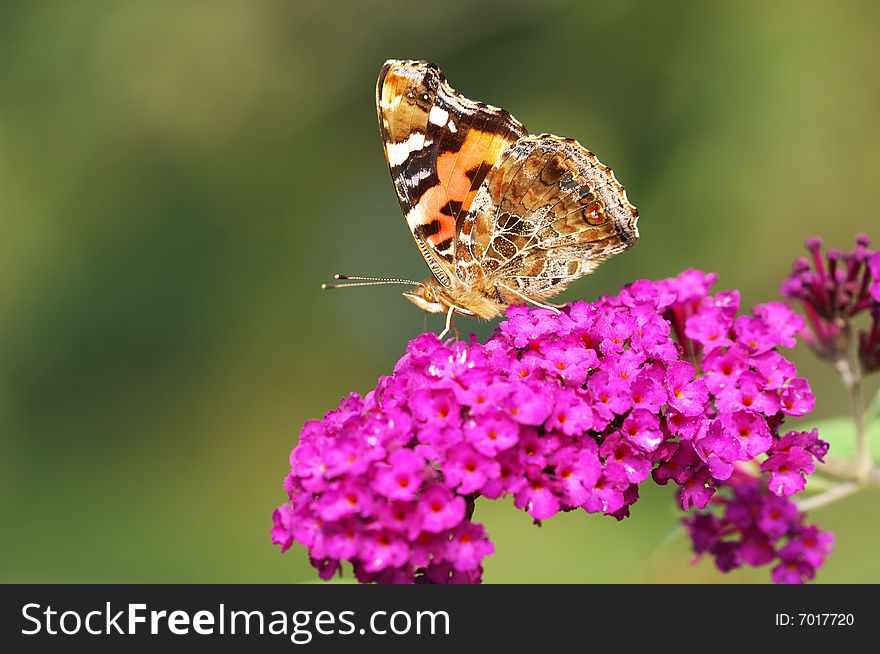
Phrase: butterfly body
pixel 500 216
pixel 433 297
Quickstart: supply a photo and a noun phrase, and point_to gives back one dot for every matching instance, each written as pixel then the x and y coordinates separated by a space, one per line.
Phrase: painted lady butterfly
pixel 500 216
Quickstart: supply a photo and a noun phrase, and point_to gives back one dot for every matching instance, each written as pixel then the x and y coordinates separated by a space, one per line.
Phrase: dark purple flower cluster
pixel 833 288
pixel 758 528
pixel 560 411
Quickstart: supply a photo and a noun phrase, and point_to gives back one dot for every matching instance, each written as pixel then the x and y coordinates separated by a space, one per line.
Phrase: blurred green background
pixel 178 178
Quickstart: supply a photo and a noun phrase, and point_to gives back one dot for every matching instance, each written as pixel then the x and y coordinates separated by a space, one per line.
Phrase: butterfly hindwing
pixel 547 213
pixel 440 147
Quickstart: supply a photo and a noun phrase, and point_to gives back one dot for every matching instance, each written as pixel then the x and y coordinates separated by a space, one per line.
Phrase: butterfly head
pixel 428 296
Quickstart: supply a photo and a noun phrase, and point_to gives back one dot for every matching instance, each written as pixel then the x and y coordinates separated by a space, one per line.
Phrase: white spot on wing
pixel 398 152
pixel 414 218
pixel 438 116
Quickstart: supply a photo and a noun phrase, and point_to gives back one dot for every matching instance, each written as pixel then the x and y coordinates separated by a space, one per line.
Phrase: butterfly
pixel 501 216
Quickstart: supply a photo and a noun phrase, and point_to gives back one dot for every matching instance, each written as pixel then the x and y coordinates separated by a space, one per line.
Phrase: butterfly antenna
pixel 365 281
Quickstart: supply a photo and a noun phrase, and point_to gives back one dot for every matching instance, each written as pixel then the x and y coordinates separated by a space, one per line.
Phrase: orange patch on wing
pixel 391 86
pixel 391 77
pixel 479 148
pixel 431 202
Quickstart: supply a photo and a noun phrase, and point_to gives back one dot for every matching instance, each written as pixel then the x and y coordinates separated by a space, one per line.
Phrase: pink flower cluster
pixel 758 528
pixel 751 389
pixel 560 412
pixel 359 492
pixel 834 287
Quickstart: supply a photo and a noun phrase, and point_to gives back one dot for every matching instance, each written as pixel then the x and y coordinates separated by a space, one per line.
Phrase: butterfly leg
pixel 448 323
pixel 549 307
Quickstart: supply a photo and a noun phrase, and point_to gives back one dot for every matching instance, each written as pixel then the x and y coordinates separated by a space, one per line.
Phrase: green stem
pixel 864 446
pixel 831 495
pixel 847 365
pixel 846 469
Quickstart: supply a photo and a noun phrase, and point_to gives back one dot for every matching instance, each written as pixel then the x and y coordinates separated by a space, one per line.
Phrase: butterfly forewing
pixel 440 147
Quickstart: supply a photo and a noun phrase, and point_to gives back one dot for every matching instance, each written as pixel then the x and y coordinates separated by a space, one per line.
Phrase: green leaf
pixel 840 433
